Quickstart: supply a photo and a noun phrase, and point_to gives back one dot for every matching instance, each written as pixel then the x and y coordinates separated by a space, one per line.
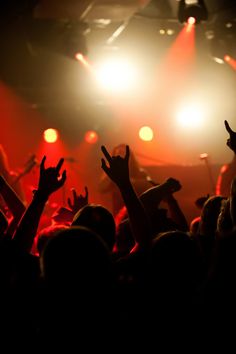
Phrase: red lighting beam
pixel 231 61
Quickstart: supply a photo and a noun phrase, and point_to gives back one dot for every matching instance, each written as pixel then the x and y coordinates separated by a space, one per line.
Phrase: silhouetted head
pixel 124 238
pixel 194 226
pixel 98 219
pixel 174 263
pixel 44 235
pixel 209 215
pixel 76 258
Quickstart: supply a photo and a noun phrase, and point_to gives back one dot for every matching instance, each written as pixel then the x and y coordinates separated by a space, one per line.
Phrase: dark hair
pixel 100 220
pixel 76 256
pixel 45 234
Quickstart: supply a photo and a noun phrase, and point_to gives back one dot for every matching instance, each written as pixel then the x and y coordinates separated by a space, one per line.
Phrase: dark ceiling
pixel 38 38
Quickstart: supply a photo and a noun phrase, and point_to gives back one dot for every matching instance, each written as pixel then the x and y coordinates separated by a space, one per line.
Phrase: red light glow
pixel 227 58
pixel 91 137
pixel 231 61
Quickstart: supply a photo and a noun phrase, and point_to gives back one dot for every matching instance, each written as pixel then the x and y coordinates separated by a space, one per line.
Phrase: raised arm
pixel 164 192
pixel 49 182
pixel 154 195
pixel 117 169
pixel 177 214
pixel 231 141
pixel 13 202
pixel 233 201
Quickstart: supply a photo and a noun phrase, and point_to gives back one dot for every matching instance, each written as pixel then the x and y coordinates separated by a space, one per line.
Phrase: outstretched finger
pixel 69 203
pixel 106 154
pixel 74 193
pixel 63 178
pixel 127 152
pixel 60 163
pixel 42 164
pixel 104 166
pixel 229 130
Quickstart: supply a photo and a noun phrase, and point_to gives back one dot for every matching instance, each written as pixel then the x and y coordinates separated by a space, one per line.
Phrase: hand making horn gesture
pixel 50 179
pixel 118 169
pixel 231 142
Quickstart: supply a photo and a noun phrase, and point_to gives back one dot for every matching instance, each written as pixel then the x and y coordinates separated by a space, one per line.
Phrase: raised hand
pixel 50 179
pixel 173 185
pixel 231 142
pixel 118 169
pixel 79 201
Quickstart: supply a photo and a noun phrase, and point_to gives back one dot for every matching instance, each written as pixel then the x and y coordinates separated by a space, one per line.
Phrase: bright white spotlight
pixel 191 20
pixel 116 75
pixel 50 135
pixel 191 116
pixel 146 133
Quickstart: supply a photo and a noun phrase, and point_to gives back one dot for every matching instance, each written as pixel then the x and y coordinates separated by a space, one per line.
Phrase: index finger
pixel 42 164
pixel 127 152
pixel 106 154
pixel 74 193
pixel 60 163
pixel 229 130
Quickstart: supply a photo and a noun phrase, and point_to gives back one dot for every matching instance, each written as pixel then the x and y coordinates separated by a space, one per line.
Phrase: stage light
pixel 191 20
pixel 190 116
pixel 170 32
pixel 228 25
pixel 79 56
pixel 91 137
pixel 50 135
pixel 230 61
pixel 116 75
pixel 203 156
pixel 227 58
pixel 146 133
pixel 192 9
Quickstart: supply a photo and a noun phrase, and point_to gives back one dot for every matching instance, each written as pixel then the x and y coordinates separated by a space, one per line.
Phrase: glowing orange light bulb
pixel 91 137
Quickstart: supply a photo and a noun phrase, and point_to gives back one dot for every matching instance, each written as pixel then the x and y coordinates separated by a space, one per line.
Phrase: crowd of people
pixel 137 278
